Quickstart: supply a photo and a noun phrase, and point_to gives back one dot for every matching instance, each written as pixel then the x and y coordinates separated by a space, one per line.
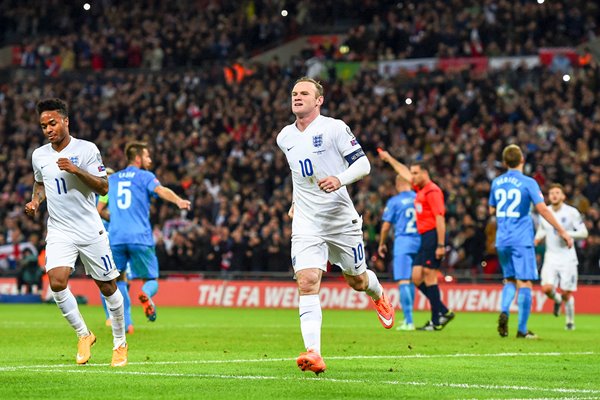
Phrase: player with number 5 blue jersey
pixel 131 240
pixel 511 196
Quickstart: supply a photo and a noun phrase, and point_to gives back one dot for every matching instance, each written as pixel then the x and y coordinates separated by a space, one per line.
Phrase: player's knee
pixel 58 284
pixel 308 283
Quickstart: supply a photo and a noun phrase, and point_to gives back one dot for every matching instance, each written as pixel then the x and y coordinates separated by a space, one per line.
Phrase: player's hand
pixel 31 207
pixel 537 241
pixel 382 250
pixel 64 164
pixel 440 252
pixel 568 239
pixel 329 184
pixel 384 155
pixel 184 204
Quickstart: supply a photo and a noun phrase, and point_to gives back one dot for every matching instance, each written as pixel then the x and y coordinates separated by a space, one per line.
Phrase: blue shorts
pixel 426 255
pixel 141 258
pixel 517 262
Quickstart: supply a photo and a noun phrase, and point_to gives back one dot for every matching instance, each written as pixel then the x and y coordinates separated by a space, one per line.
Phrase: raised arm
pixel 400 168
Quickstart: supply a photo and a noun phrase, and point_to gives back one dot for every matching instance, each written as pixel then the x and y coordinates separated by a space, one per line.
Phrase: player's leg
pixel 309 260
pixel 60 262
pixel 347 252
pixel 121 258
pixel 549 281
pixel 123 286
pixel 525 272
pixel 509 290
pixel 402 273
pixel 99 264
pixel 105 308
pixel 144 264
pixel 431 265
pixel 568 285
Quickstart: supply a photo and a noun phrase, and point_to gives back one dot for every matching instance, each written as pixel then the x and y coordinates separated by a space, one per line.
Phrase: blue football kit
pixel 129 195
pixel 512 195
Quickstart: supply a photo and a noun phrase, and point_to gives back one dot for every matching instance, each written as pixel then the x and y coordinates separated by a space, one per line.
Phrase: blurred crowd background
pixel 179 75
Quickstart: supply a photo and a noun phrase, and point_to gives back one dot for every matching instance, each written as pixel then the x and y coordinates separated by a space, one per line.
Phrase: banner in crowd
pixel 336 295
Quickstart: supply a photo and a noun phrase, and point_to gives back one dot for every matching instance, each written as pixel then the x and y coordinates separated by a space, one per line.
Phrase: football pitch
pixel 219 353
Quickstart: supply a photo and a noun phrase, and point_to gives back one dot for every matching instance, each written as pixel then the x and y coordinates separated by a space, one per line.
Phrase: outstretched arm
pixel 400 168
pixel 167 194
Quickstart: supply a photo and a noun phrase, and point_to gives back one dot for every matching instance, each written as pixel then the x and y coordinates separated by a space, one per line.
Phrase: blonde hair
pixel 512 156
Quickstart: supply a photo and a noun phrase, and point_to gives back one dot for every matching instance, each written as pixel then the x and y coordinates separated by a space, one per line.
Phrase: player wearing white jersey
pixel 560 262
pixel 67 172
pixel 324 157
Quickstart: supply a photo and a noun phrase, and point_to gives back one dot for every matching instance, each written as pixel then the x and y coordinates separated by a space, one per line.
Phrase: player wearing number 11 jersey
pixel 68 172
pixel 510 200
pixel 324 157
pixel 131 237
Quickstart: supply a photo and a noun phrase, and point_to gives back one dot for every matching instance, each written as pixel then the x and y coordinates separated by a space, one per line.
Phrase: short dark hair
pixel 421 164
pixel 512 156
pixel 54 104
pixel 134 149
pixel 557 186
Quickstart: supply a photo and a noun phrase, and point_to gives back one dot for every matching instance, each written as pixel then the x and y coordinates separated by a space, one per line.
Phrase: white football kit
pixel 560 262
pixel 74 225
pixel 325 226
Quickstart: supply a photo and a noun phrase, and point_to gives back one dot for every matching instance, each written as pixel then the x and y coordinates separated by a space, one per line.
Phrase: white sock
pixel 374 289
pixel 570 310
pixel 114 303
pixel 310 321
pixel 68 305
pixel 556 297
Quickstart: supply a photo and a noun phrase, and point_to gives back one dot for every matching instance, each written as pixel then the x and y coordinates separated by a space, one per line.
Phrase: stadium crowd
pixel 213 140
pixel 159 34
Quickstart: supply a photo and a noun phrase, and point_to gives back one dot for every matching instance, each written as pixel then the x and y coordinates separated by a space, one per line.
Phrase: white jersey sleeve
pixel 72 214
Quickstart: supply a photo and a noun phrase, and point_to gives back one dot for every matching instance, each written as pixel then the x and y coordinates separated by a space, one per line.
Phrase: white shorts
pixel 96 257
pixel 563 276
pixel 347 251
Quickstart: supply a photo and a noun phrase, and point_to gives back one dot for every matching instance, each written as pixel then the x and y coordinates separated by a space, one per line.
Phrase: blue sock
pixel 435 302
pixel 524 302
pixel 412 292
pixel 104 306
pixel 122 286
pixel 406 301
pixel 508 295
pixel 150 287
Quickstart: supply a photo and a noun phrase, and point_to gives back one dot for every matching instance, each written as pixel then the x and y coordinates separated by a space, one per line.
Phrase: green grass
pixel 250 354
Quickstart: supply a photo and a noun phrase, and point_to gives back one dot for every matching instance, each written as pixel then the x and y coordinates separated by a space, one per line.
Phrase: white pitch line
pixel 357 357
pixel 321 379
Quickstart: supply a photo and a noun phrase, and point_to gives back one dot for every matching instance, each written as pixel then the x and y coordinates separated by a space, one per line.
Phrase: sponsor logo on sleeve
pixel 101 168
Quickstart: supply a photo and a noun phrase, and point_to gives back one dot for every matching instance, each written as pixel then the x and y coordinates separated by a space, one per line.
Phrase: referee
pixel 431 225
